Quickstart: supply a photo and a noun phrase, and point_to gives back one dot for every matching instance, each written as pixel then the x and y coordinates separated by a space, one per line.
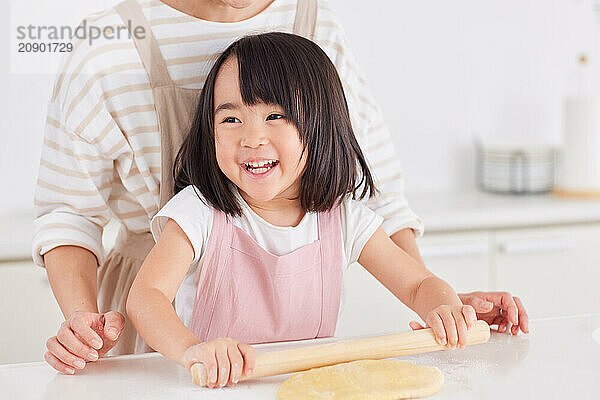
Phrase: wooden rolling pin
pixel 301 359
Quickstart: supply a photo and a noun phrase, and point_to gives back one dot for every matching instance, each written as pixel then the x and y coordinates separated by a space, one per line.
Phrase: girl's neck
pixel 217 11
pixel 278 212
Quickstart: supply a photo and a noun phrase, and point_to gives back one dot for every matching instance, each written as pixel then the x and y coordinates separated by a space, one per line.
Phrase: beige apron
pixel 175 107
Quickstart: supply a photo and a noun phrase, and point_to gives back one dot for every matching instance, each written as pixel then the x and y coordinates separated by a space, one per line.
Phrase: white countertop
pixel 443 211
pixel 475 210
pixel 559 359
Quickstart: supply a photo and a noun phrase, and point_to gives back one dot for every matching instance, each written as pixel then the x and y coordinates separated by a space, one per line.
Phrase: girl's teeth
pixel 261 169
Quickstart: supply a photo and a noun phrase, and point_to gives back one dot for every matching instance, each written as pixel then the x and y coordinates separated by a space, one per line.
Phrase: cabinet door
pixel 29 314
pixel 371 309
pixel 462 259
pixel 554 270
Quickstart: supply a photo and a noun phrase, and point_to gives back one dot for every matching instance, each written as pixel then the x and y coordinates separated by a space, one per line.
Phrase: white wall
pixel 442 71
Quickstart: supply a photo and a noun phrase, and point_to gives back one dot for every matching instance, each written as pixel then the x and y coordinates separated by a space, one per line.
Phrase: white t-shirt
pixel 358 223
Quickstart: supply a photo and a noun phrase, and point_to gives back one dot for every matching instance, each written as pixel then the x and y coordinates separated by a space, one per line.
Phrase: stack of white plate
pixel 516 168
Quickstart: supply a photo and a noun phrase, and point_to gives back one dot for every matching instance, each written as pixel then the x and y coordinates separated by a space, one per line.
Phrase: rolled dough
pixel 363 380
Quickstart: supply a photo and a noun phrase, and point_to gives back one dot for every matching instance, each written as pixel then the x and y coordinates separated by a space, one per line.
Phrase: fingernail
pixel 93 356
pixel 235 380
pixel 80 364
pixel 111 333
pixel 96 344
pixel 70 371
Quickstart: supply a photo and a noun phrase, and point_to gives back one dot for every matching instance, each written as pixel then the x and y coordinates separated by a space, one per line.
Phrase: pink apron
pixel 251 295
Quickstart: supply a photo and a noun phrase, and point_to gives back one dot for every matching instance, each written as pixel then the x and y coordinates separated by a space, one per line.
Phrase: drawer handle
pixel 454 250
pixel 528 246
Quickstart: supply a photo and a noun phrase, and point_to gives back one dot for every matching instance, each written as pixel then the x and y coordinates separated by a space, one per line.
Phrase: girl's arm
pixel 498 308
pixel 410 281
pixel 155 286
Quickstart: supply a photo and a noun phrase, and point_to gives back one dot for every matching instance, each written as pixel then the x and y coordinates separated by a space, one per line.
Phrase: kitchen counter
pixel 559 359
pixel 475 210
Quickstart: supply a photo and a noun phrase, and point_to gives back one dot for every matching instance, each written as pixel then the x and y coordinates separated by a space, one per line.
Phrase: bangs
pixel 270 73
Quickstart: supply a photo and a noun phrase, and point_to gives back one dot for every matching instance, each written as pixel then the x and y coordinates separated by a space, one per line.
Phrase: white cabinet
pixel 554 270
pixel 462 259
pixel 29 314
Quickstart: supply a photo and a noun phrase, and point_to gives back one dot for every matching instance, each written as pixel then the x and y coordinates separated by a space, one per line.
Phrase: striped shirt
pixel 101 151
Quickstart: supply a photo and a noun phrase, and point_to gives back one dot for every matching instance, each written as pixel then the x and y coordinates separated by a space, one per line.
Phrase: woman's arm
pixel 85 335
pixel 405 239
pixel 72 272
pixel 149 304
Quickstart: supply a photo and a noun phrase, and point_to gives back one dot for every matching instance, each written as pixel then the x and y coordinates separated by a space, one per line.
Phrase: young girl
pixel 266 218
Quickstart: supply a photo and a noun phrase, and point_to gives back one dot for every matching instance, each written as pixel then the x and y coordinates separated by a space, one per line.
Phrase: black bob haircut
pixel 293 72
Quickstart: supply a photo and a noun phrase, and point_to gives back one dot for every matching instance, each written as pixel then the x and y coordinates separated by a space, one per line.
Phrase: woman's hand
pixel 495 308
pixel 84 336
pixel 499 308
pixel 224 360
pixel 449 324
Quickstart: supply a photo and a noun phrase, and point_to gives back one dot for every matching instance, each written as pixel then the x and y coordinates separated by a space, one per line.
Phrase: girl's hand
pixel 224 360
pixel 449 324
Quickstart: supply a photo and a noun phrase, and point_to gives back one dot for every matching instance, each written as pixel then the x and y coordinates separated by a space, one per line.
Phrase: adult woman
pixel 118 113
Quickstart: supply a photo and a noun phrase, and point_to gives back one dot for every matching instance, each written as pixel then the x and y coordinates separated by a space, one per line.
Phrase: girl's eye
pixel 231 120
pixel 275 116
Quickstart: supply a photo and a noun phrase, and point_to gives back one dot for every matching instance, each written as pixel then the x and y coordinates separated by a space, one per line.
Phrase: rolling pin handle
pixel 199 374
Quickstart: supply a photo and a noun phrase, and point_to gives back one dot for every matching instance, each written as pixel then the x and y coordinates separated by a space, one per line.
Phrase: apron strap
pixel 147 46
pixel 306 18
pixel 331 263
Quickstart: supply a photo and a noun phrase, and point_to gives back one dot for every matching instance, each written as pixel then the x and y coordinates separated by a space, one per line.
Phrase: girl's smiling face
pixel 257 147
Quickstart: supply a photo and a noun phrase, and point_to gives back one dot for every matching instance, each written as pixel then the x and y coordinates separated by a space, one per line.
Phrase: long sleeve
pixel 77 167
pixel 369 127
pixel 101 153
pixel 71 194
